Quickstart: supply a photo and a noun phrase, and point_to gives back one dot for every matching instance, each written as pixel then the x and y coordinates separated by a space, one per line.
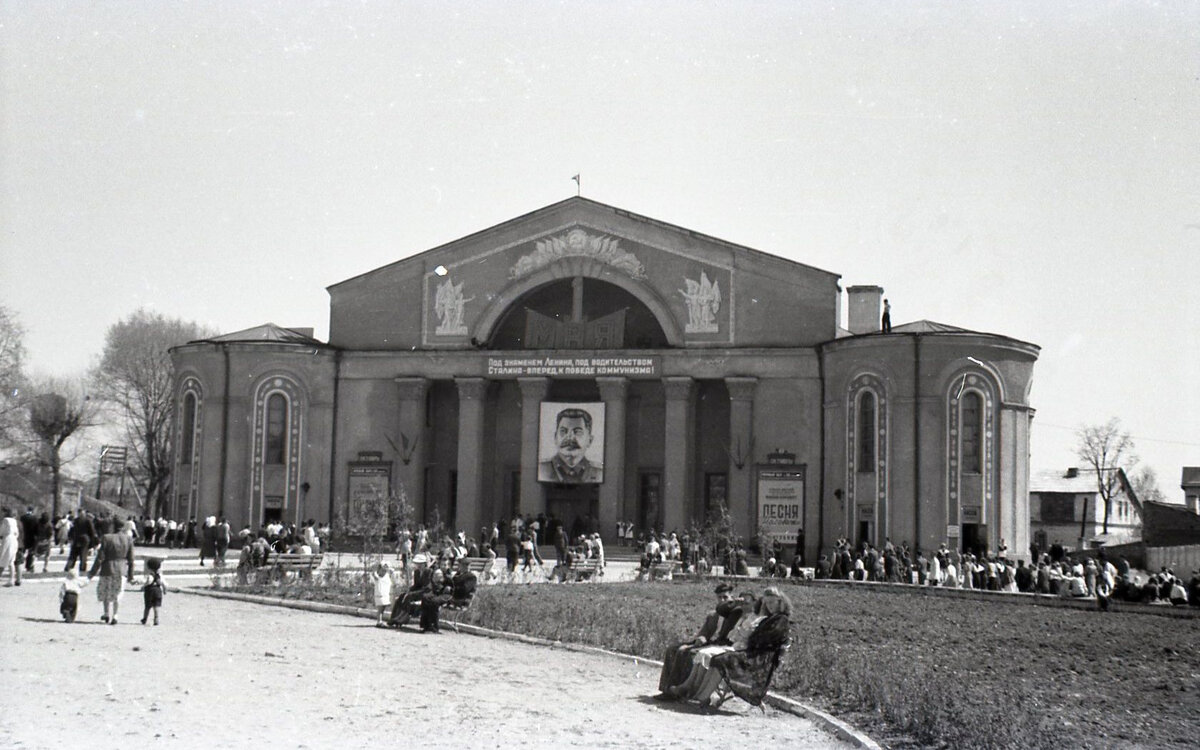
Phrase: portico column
pixel 679 449
pixel 741 439
pixel 613 391
pixel 471 395
pixel 533 392
pixel 411 470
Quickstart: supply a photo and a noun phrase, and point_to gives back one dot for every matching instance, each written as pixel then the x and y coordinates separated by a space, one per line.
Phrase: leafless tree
pixel 1145 485
pixel 1105 448
pixel 135 380
pixel 12 381
pixel 58 409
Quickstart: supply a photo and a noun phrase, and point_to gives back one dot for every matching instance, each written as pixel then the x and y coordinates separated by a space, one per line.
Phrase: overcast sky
pixel 1021 168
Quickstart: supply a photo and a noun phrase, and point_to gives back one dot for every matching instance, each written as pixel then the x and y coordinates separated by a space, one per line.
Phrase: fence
pixel 1182 560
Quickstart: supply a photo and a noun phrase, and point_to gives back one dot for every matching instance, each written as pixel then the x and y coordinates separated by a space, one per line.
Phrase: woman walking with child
pixel 114 565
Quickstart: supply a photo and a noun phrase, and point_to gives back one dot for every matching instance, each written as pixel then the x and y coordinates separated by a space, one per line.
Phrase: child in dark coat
pixel 154 589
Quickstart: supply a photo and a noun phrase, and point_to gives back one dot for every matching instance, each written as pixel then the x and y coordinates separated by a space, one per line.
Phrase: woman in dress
pixel 114 565
pixel 8 547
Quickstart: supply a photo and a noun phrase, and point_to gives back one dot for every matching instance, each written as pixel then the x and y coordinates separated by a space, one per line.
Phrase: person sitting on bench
pixel 677 660
pixel 422 580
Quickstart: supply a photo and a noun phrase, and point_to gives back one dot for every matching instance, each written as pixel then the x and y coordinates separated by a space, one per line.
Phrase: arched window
pixel 866 431
pixel 972 427
pixel 276 428
pixel 189 429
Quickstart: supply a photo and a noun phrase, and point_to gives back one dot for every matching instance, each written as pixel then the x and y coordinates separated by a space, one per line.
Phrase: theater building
pixel 603 367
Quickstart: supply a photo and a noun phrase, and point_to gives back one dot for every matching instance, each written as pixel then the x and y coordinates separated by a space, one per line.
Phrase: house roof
pixel 1191 476
pixel 929 326
pixel 267 332
pixel 1084 482
pixel 1057 480
pixel 923 327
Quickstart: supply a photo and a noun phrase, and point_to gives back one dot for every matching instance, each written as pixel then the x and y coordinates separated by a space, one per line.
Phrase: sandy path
pixel 229 674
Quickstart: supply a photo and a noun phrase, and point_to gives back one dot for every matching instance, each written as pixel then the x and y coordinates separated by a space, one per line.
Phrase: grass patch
pixel 914 671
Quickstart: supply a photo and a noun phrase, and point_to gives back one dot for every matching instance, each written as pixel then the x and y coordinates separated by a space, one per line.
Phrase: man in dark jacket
pixel 677 660
pixel 29 535
pixel 83 538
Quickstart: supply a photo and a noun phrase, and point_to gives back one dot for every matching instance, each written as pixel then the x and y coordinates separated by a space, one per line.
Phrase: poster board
pixel 571 442
pixel 780 495
pixel 370 482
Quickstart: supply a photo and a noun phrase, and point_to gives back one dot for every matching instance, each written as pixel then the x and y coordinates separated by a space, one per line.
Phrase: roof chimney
pixel 1072 472
pixel 864 304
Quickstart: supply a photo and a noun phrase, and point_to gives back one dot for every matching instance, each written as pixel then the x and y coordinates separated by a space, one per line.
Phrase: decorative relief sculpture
pixel 578 243
pixel 449 305
pixel 703 299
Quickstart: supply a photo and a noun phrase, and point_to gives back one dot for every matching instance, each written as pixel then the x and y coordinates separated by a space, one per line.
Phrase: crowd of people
pixel 1056 573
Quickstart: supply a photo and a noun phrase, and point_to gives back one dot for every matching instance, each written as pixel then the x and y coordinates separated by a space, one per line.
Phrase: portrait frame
pixel 548 447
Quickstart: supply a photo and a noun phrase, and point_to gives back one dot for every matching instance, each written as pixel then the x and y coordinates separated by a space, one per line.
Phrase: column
pixel 533 392
pixel 472 393
pixel 410 473
pixel 741 449
pixel 612 391
pixel 680 447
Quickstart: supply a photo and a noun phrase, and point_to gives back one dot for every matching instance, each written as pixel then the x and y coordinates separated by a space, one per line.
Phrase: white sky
pixel 1022 168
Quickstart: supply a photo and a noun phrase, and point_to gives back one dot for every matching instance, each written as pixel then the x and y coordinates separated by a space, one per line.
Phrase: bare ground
pixel 230 674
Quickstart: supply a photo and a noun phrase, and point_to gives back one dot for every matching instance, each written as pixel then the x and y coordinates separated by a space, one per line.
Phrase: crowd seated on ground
pixel 1056 573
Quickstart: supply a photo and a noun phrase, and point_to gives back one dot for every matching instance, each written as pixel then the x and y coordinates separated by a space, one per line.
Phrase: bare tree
pixel 135 379
pixel 12 380
pixel 1105 448
pixel 1145 485
pixel 58 409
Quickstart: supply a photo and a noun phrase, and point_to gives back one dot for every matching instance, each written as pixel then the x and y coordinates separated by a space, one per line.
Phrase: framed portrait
pixel 571 443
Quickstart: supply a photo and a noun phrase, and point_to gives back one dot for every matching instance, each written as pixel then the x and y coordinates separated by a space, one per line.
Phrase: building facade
pixel 601 367
pixel 1066 508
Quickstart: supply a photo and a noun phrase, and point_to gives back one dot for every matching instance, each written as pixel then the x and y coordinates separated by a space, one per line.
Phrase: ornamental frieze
pixel 578 244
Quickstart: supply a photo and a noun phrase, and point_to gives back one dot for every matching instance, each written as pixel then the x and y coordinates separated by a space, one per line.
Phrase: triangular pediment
pixel 690 281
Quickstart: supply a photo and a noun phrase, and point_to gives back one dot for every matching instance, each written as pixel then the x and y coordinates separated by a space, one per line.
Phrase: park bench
pixel 585 569
pixel 746 675
pixel 667 569
pixel 283 564
pixel 479 566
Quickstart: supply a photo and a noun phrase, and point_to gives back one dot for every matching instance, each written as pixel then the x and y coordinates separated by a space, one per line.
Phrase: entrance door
pixel 864 534
pixel 576 506
pixel 974 538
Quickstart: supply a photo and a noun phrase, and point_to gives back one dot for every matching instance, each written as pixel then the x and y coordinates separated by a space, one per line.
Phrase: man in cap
pixel 677 661
pixel 422 581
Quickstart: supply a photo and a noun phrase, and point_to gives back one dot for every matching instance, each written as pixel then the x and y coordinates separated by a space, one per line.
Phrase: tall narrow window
pixel 866 432
pixel 189 429
pixel 972 414
pixel 276 428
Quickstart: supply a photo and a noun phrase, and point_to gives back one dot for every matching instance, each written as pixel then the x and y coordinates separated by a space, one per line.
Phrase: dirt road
pixel 235 675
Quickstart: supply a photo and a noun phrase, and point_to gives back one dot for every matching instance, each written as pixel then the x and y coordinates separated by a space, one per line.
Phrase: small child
pixel 382 583
pixel 154 590
pixel 68 595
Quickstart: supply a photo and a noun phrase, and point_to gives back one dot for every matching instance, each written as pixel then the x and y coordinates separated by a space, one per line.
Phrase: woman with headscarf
pixel 114 565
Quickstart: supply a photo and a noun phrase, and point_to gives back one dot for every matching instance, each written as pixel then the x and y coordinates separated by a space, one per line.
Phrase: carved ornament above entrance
pixel 578 244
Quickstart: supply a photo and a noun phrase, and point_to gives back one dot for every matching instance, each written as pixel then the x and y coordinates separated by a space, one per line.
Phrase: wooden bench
pixel 585 569
pixel 281 564
pixel 479 566
pixel 746 675
pixel 664 569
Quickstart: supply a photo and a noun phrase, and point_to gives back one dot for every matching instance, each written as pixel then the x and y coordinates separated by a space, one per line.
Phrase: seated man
pixel 750 657
pixel 422 581
pixel 677 661
pixel 439 593
pixel 463 584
